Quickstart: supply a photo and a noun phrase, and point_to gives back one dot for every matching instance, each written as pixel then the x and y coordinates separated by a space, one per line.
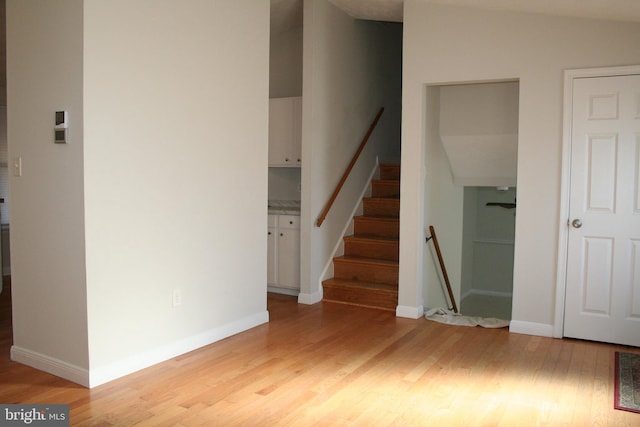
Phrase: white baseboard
pixel 119 369
pixel 283 291
pixel 137 362
pixel 409 312
pixel 310 299
pixel 51 365
pixel 530 328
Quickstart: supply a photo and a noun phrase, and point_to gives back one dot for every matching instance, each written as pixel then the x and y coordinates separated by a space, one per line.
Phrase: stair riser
pixel 371 227
pixel 375 273
pixel 389 208
pixel 379 250
pixel 385 189
pixel 361 297
pixel 391 172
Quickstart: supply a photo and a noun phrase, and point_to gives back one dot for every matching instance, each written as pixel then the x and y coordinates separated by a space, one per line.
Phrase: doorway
pixel 471 194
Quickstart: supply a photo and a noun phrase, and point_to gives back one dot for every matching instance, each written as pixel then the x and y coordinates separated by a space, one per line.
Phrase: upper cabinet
pixel 285 131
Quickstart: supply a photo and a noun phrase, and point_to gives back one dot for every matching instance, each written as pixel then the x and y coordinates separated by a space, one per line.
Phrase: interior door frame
pixel 565 186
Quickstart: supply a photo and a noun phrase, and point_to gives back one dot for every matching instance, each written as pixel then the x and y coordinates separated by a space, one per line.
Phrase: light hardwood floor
pixel 331 364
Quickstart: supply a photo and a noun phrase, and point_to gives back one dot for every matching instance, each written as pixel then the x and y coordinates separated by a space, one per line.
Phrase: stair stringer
pixel 338 249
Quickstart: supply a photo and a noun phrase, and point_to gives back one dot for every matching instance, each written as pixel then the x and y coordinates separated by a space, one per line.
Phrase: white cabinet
pixel 289 251
pixel 283 257
pixel 272 250
pixel 285 131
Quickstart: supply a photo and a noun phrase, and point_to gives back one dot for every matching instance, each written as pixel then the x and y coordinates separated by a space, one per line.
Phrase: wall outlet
pixel 176 299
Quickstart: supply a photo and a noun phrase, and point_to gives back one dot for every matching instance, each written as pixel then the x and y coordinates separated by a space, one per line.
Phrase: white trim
pixel 409 312
pixel 140 361
pixel 531 328
pixel 51 365
pixel 565 186
pixel 283 291
pixel 310 299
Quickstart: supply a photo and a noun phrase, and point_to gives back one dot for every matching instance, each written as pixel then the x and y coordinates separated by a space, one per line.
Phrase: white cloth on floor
pixel 449 317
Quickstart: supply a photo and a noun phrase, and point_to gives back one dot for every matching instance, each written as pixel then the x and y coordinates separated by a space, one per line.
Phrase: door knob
pixel 576 223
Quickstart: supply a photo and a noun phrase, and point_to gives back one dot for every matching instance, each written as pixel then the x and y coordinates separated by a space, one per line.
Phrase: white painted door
pixel 602 300
pixel 285 131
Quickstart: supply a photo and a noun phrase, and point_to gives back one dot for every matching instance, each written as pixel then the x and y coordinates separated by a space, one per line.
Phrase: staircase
pixel 367 274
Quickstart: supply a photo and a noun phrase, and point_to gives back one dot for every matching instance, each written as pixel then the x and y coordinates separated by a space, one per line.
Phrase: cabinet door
pixel 280 131
pixel 289 258
pixel 296 140
pixel 285 131
pixel 272 255
pixel 289 251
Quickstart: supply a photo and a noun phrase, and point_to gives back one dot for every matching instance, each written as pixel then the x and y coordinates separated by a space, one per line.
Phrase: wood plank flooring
pixel 331 364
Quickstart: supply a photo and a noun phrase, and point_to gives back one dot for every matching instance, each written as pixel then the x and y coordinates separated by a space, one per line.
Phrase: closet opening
pixel 470 196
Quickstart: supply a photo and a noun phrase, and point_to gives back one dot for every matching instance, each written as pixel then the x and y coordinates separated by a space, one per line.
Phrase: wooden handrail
pixel 442 267
pixel 327 207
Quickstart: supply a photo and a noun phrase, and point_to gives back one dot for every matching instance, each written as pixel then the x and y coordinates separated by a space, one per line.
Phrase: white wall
pixel 479 130
pixel 285 63
pixel 176 126
pixel 285 80
pixel 4 170
pixel 3 54
pixel 163 184
pixel 47 214
pixel 4 166
pixel 445 44
pixel 351 68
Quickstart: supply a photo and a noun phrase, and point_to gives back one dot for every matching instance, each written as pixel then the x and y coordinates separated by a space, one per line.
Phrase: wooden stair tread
pixel 372 238
pixel 384 206
pixel 383 199
pixel 360 284
pixel 377 218
pixel 363 260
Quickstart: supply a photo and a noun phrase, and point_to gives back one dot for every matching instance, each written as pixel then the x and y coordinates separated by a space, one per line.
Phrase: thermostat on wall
pixel 61 127
pixel 61 120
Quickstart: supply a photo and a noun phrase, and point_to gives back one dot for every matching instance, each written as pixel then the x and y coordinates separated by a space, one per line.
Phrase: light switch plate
pixel 17 166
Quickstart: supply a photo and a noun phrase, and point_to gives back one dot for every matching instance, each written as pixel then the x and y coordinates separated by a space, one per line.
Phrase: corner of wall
pixel 410 312
pixel 531 328
pixel 51 365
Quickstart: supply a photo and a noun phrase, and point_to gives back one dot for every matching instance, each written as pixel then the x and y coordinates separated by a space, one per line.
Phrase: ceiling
pixel 287 14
